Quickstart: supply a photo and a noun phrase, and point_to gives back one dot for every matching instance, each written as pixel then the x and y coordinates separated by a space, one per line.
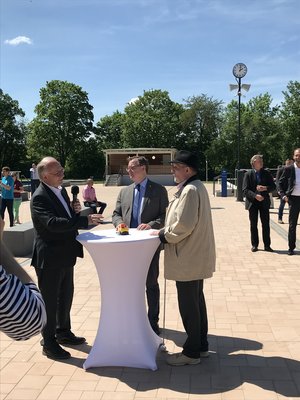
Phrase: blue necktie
pixel 258 180
pixel 136 207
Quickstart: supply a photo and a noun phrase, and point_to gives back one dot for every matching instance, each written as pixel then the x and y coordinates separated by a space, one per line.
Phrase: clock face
pixel 239 70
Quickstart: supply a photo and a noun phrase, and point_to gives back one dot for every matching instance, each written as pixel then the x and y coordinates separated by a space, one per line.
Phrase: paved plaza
pixel 253 303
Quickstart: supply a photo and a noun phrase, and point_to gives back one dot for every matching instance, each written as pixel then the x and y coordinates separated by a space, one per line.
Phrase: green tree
pixel 290 118
pixel 153 120
pixel 12 132
pixel 201 123
pixel 109 131
pixel 86 160
pixel 260 133
pixel 64 118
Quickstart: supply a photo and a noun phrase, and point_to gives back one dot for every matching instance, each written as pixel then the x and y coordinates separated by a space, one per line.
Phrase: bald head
pixel 45 165
pixel 50 171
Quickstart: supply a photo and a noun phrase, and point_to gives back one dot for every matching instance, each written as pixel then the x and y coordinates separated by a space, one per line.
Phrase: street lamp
pixel 239 71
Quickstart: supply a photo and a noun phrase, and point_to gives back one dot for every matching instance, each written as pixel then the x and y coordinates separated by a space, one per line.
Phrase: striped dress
pixel 22 308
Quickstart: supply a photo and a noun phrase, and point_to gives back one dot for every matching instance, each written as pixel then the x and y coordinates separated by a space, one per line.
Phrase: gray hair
pixel 255 158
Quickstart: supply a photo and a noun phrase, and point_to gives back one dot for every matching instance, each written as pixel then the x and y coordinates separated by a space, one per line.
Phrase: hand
pixel 154 232
pixel 285 198
pixel 143 227
pixel 261 188
pixel 259 197
pixel 76 206
pixel 95 219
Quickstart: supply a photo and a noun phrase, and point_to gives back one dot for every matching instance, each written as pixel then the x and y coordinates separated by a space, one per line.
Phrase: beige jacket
pixel 188 234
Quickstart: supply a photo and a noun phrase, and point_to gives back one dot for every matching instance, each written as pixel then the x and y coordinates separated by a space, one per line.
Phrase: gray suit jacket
pixel 154 205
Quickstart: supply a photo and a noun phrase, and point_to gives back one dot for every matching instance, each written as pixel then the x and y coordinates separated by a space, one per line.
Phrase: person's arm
pixel 11 265
pixel 247 192
pixel 270 182
pixel 183 225
pixel 159 221
pixel 7 187
pixel 117 216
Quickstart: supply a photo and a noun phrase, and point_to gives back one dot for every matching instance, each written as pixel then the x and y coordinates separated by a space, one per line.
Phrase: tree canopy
pixel 12 131
pixel 64 120
pixel 153 120
pixel 63 127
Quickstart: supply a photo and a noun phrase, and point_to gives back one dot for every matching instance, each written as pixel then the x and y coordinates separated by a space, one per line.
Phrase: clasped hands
pixel 260 188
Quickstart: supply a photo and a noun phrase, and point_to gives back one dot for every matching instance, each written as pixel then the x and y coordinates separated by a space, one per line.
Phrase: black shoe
pixel 254 249
pixel 269 249
pixel 55 352
pixel 290 252
pixel 70 338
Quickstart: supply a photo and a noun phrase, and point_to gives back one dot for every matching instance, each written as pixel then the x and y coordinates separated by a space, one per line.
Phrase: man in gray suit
pixel 148 214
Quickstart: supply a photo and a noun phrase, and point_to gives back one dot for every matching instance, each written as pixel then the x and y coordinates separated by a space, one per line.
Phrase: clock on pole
pixel 239 70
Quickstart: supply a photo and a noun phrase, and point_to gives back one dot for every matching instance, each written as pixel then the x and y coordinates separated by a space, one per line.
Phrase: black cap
pixel 186 157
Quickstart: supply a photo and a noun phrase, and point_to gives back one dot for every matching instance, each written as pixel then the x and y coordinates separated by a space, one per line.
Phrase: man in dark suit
pixel 54 254
pixel 142 205
pixel 289 190
pixel 278 176
pixel 257 184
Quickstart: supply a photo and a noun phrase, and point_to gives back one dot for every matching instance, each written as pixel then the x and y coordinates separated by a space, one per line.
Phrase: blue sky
pixel 116 49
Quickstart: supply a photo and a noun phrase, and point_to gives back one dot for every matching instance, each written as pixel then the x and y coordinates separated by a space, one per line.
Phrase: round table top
pixel 111 236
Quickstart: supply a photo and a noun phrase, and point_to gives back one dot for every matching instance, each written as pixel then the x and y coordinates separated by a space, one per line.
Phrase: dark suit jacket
pixel 249 188
pixel 55 244
pixel 154 205
pixel 287 180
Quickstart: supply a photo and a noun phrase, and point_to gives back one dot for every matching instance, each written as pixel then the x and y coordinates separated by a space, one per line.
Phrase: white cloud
pixel 18 40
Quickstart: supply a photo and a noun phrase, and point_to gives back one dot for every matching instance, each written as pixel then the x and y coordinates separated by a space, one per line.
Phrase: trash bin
pixel 224 183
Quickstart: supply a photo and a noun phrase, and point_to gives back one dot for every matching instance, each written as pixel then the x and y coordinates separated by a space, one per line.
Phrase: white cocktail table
pixel 125 337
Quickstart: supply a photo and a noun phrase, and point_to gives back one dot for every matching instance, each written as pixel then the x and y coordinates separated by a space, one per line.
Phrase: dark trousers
pixel 94 205
pixel 34 183
pixel 281 208
pixel 57 288
pixel 8 203
pixel 152 290
pixel 265 222
pixel 294 202
pixel 192 308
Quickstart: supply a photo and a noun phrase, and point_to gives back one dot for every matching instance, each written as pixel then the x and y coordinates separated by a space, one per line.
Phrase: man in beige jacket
pixel 190 255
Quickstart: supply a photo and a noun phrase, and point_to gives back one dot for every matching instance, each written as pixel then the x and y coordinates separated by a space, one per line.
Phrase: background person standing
pixel 282 201
pixel 7 186
pixel 34 178
pixel 18 190
pixel 257 184
pixel 289 189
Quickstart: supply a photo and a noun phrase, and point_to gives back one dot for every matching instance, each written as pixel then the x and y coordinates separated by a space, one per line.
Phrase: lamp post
pixel 239 71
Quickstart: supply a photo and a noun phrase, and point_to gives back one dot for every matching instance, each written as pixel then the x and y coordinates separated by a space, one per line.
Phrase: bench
pixel 19 239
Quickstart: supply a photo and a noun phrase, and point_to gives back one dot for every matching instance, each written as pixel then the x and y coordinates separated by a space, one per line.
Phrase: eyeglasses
pixel 58 173
pixel 177 167
pixel 133 168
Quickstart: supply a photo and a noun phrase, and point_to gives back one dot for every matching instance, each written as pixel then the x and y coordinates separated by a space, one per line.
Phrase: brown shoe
pixel 179 359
